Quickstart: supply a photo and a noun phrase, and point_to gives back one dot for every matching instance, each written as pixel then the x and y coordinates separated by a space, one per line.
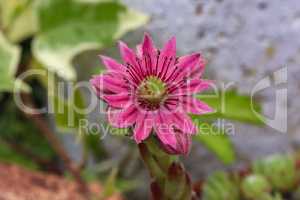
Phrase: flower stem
pixel 169 178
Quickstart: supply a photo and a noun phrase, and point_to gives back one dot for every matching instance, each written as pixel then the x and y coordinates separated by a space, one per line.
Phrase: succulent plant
pixel 279 170
pixel 255 186
pixel 219 186
pixel 268 196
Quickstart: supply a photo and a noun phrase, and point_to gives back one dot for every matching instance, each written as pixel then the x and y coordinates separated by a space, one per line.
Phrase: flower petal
pixel 197 71
pixel 117 100
pixel 148 46
pixel 127 54
pixel 143 126
pixel 107 83
pixel 139 51
pixel 112 65
pixel 148 54
pixel 167 59
pixel 185 65
pixel 192 87
pixel 122 118
pixel 195 106
pixel 164 130
pixel 183 144
pixel 184 123
pixel 129 57
pixel 169 48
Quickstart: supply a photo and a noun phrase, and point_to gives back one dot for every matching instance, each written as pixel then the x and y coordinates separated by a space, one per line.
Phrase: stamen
pixel 157 58
pixel 151 93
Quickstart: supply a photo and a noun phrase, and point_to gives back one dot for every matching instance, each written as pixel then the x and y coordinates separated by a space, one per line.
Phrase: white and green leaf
pixel 9 60
pixel 18 19
pixel 78 26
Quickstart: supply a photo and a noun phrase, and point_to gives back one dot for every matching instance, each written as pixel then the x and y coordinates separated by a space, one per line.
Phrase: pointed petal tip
pixel 170 47
pixel 122 44
pixel 148 44
pixel 173 38
pixel 138 139
pixel 147 35
pixel 172 41
pixel 197 55
pixel 208 110
pixel 102 56
pixel 93 81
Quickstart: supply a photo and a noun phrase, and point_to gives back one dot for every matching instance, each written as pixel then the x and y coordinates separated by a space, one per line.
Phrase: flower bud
pixel 183 144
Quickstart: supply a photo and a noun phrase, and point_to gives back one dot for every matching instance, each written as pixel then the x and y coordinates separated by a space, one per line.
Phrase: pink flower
pixel 153 91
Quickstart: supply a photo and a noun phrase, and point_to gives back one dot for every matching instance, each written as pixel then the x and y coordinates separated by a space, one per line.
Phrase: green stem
pixel 169 178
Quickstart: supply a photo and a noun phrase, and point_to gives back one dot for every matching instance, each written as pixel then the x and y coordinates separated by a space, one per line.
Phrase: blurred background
pixel 243 42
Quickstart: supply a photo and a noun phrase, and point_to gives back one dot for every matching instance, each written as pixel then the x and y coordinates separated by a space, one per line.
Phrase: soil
pixel 17 183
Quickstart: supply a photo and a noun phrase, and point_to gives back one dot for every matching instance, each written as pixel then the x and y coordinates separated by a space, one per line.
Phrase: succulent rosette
pixel 153 91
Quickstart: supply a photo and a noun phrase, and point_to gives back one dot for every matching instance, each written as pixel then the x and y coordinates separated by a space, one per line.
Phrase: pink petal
pixel 143 127
pixel 148 46
pixel 107 83
pixel 195 106
pixel 112 65
pixel 183 144
pixel 117 100
pixel 184 123
pixel 129 57
pixel 164 130
pixel 193 87
pixel 148 54
pixel 122 118
pixel 127 54
pixel 198 70
pixel 167 59
pixel 169 48
pixel 186 64
pixel 139 51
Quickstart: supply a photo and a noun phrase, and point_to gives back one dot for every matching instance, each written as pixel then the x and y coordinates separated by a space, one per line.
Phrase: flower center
pixel 151 93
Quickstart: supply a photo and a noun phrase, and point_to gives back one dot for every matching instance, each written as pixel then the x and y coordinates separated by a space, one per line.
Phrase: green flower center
pixel 151 93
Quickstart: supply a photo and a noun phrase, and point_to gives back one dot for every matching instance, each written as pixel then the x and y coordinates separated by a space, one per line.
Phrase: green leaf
pixel 66 115
pixel 232 106
pixel 78 26
pixel 18 19
pixel 216 140
pixel 9 59
pixel 68 111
